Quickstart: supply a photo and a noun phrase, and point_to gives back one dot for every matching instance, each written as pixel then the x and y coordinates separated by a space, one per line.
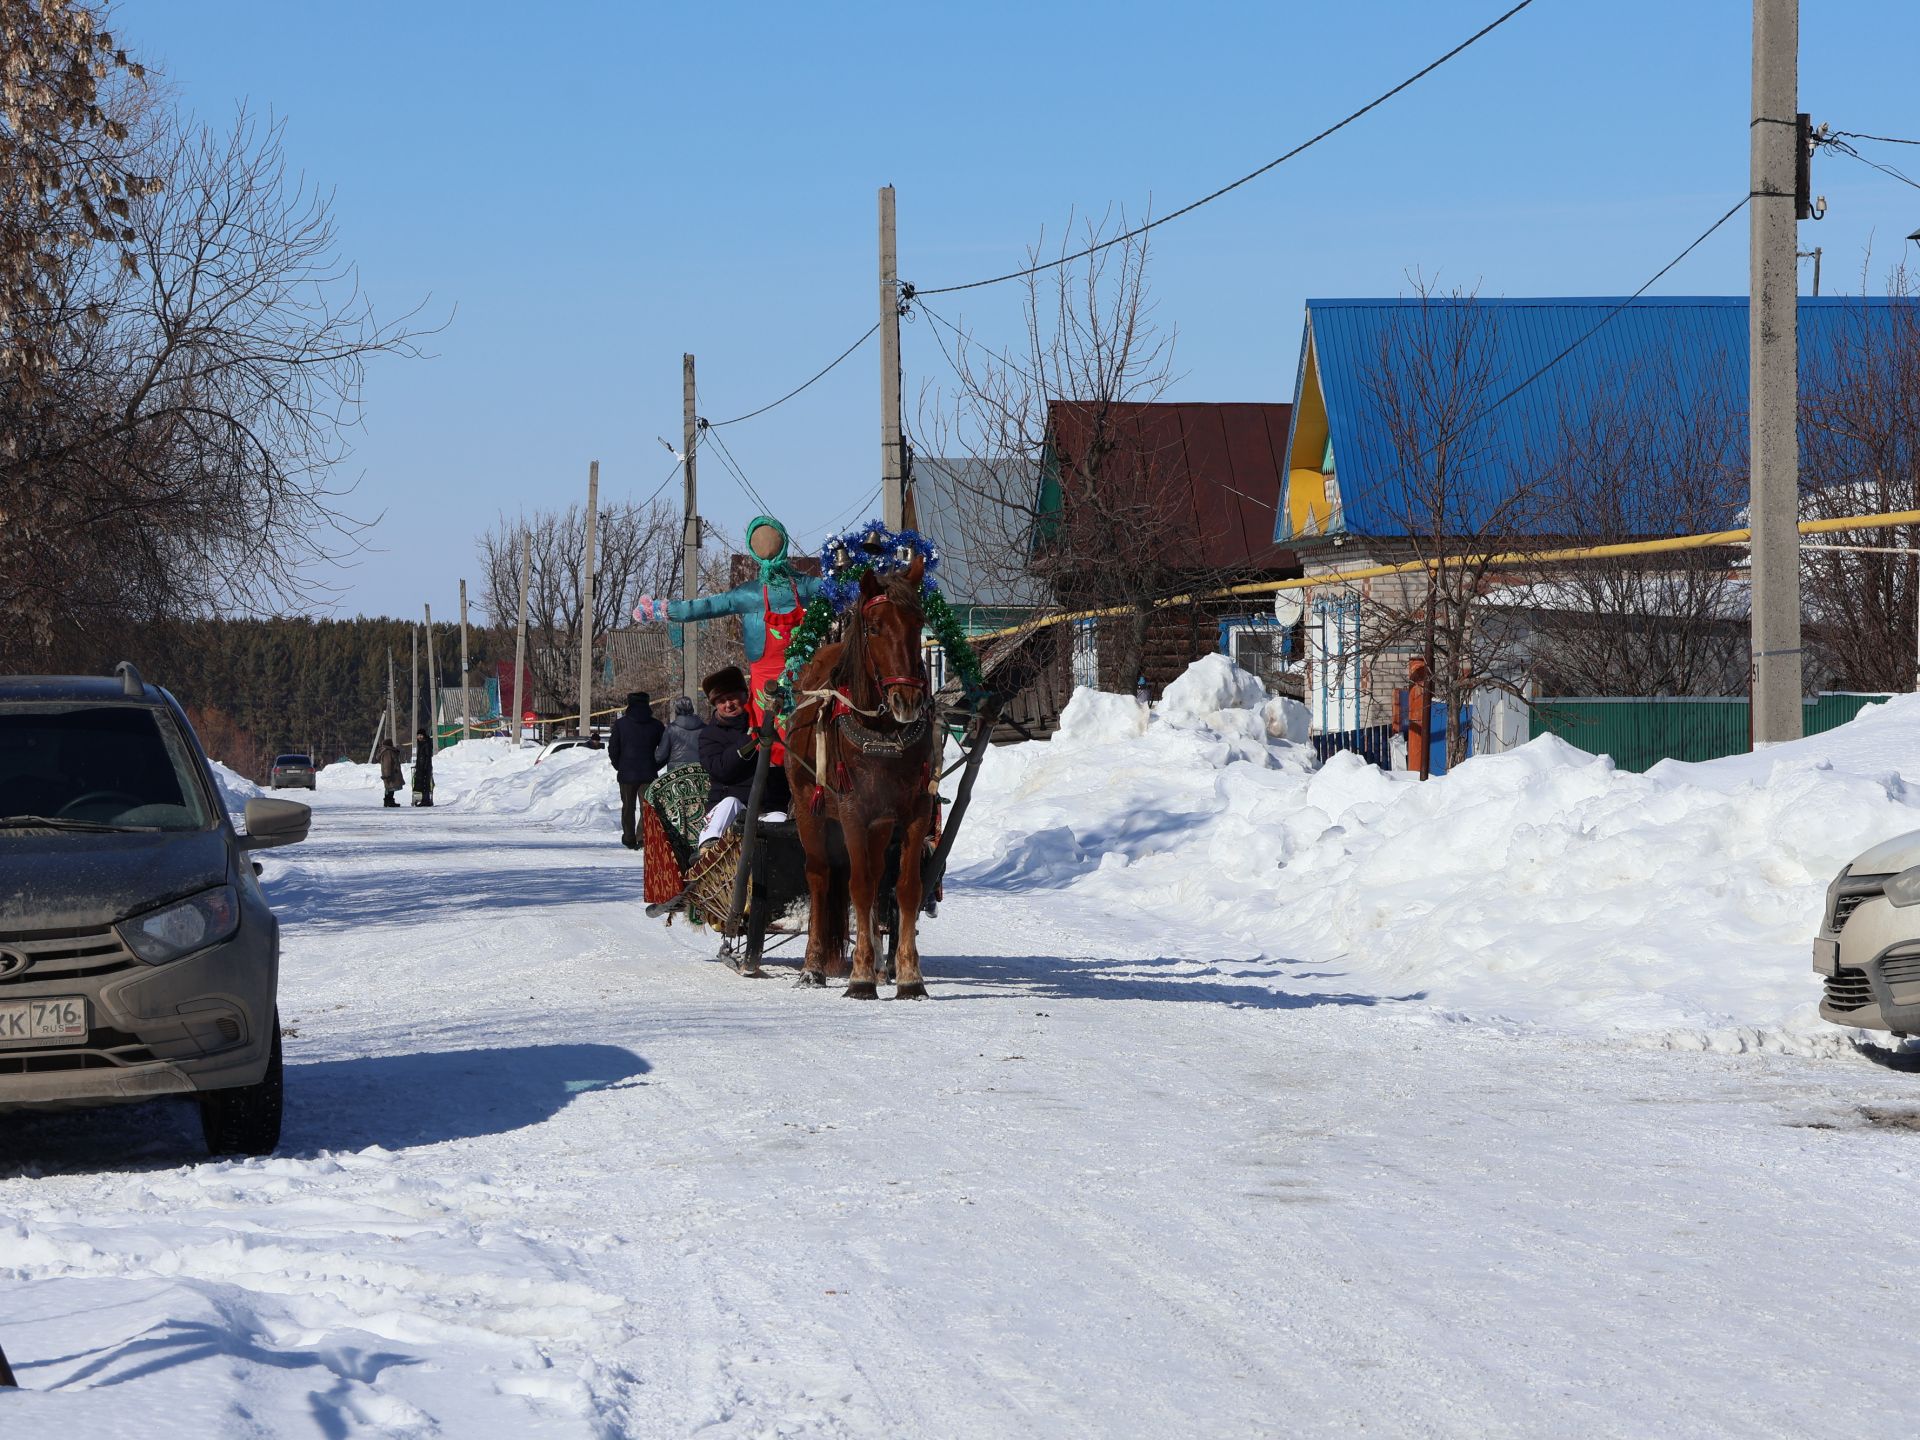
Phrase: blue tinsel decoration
pixel 871 546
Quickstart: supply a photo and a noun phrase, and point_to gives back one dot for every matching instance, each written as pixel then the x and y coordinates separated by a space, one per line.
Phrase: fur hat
pixel 727 681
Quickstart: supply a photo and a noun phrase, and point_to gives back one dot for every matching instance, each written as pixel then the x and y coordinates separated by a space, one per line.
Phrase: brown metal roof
pixel 1224 463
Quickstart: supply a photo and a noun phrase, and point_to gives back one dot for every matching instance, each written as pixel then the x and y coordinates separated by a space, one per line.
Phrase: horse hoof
pixel 910 992
pixel 810 980
pixel 862 990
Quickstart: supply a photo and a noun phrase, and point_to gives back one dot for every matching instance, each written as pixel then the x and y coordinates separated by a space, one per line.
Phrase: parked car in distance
pixel 291 770
pixel 569 742
pixel 1868 948
pixel 138 957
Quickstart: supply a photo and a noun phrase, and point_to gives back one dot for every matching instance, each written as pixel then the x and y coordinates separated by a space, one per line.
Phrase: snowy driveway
pixel 550 1172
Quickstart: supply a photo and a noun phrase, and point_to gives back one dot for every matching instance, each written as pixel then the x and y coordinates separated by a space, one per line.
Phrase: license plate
pixel 1826 957
pixel 63 1017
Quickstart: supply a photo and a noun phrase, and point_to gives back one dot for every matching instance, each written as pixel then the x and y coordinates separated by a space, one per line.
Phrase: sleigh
pixel 752 889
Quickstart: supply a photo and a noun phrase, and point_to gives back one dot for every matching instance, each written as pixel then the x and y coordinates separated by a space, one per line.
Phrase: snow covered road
pixel 549 1171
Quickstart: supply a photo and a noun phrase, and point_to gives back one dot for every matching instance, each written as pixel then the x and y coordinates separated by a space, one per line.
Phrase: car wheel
pixel 246 1119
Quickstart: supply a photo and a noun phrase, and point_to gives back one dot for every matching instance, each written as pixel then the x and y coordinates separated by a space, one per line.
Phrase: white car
pixel 570 742
pixel 1868 949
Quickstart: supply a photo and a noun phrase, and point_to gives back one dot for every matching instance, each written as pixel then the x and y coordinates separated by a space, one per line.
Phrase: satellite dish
pixel 1289 606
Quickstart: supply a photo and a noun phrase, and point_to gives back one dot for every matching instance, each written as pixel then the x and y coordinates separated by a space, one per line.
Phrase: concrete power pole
pixel 690 533
pixel 393 708
pixel 1773 378
pixel 466 675
pixel 586 601
pixel 433 688
pixel 893 499
pixel 520 638
pixel 413 714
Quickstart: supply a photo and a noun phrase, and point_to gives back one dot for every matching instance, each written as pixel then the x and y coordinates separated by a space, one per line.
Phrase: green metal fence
pixel 1640 733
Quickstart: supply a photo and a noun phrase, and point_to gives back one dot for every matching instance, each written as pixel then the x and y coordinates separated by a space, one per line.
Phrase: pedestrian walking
pixel 681 743
pixel 422 769
pixel 390 778
pixel 631 749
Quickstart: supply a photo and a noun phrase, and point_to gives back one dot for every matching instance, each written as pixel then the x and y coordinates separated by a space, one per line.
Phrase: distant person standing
pixel 422 769
pixel 681 743
pixel 390 780
pixel 633 747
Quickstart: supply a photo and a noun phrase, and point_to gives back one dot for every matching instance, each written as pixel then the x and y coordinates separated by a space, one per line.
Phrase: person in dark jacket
pixel 680 745
pixel 729 752
pixel 636 736
pixel 422 769
pixel 390 780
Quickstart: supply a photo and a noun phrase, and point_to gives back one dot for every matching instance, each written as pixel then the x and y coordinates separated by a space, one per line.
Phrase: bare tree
pixel 1860 454
pixel 178 458
pixel 1454 499
pixel 70 169
pixel 1063 451
pixel 638 552
pixel 1649 457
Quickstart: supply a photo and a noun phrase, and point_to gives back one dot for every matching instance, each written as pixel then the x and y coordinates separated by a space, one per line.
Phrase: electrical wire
pixel 1596 327
pixel 931 314
pixel 1303 146
pixel 663 484
pixel 1862 135
pixel 1834 142
pixel 739 473
pixel 716 424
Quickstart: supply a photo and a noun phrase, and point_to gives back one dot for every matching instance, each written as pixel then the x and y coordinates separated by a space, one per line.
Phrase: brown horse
pixel 860 755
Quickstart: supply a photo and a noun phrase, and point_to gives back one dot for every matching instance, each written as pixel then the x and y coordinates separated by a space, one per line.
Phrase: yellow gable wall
pixel 1308 509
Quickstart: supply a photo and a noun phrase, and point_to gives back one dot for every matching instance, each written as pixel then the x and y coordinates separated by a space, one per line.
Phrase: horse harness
pixel 841 719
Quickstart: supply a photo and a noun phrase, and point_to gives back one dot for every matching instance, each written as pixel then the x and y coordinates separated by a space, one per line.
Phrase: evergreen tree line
pixel 258 688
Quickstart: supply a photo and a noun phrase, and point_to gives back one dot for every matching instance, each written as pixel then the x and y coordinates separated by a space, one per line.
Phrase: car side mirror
pixel 275 822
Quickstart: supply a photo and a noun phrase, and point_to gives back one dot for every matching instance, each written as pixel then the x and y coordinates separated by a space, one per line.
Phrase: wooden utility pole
pixel 466 672
pixel 893 499
pixel 433 689
pixel 690 531
pixel 586 601
pixel 413 670
pixel 393 709
pixel 520 637
pixel 1773 307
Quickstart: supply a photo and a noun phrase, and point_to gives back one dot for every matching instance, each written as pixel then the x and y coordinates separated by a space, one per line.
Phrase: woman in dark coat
pixel 422 769
pixel 681 744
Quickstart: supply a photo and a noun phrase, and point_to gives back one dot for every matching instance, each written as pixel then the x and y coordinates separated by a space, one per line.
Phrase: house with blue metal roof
pixel 1389 391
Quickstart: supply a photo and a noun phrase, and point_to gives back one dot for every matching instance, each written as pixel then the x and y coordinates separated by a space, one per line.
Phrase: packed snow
pixel 1490 1105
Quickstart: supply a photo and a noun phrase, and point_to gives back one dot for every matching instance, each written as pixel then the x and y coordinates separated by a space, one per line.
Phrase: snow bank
pixel 1538 886
pixel 235 788
pixel 571 789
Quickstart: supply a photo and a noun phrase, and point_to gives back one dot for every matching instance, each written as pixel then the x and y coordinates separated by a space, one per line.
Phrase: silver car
pixel 138 957
pixel 1868 949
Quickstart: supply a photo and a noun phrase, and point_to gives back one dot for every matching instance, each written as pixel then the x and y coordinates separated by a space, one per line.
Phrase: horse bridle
pixel 907 682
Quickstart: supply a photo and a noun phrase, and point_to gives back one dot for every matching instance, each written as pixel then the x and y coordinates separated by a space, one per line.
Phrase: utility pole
pixel 433 689
pixel 1773 381
pixel 586 601
pixel 690 533
pixel 393 709
pixel 466 674
pixel 413 712
pixel 893 500
pixel 520 637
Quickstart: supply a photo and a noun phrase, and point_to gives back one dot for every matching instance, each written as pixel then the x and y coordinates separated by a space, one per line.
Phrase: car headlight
pixel 1904 888
pixel 181 928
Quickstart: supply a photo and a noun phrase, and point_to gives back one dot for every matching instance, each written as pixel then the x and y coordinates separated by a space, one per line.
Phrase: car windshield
pixel 111 766
pixel 295 760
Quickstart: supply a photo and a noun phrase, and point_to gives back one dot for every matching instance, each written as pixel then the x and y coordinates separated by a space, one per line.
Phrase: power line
pixel 1597 325
pixel 1861 135
pixel 1303 146
pixel 1834 142
pixel 929 312
pixel 663 484
pixel 734 466
pixel 716 424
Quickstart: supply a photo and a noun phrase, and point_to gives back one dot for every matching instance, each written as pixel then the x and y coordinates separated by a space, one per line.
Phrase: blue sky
pixel 593 189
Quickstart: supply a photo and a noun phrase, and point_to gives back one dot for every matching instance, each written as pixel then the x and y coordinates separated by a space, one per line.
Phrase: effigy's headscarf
pixel 774 570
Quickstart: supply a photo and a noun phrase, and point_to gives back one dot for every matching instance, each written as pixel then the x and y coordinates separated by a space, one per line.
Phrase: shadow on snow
pixel 393 1101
